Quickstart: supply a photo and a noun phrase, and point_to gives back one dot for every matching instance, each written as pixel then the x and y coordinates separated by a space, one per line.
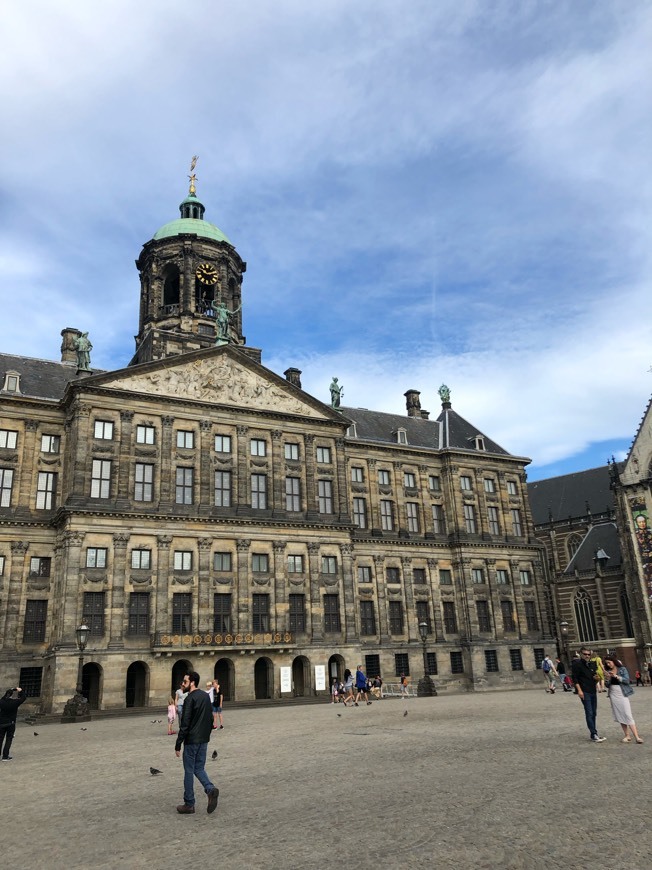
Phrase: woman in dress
pixel 619 691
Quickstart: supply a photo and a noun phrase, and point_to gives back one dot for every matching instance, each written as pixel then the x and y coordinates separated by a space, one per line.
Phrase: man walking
pixel 8 711
pixel 361 686
pixel 585 681
pixel 194 734
pixel 549 672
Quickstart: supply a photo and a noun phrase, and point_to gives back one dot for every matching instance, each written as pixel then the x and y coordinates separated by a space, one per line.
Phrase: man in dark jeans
pixel 8 711
pixel 194 733
pixel 584 679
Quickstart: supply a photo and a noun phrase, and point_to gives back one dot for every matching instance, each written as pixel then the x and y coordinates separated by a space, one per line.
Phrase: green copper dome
pixel 194 226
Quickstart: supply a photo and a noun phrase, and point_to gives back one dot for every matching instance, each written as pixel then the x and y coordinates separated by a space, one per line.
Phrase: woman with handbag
pixel 619 692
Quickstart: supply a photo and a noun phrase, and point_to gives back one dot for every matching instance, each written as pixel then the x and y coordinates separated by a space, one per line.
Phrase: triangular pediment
pixel 218 377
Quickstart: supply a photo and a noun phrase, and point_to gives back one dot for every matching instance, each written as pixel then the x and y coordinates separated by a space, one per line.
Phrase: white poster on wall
pixel 320 677
pixel 286 679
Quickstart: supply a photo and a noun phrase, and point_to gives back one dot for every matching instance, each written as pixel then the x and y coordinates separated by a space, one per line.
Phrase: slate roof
pixel 39 378
pixel 568 494
pixel 600 537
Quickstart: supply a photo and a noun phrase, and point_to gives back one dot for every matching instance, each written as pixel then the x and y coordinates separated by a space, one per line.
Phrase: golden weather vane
pixel 192 176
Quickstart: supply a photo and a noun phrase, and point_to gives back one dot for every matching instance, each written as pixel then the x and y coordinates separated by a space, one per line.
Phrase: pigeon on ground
pixel 339 715
pixel 153 722
pixel 36 734
pixel 154 771
pixel 214 755
pixel 83 729
pixel 405 714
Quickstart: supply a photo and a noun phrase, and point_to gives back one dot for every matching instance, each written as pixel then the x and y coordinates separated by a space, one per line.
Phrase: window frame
pixel 145 434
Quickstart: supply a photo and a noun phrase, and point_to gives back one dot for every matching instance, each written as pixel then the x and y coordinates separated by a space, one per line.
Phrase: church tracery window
pixel 585 616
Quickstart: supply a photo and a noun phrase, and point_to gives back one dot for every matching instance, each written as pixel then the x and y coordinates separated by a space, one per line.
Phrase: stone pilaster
pixel 242 465
pixel 161 608
pixel 381 585
pixel 519 606
pixel 28 471
pixel 312 511
pixel 205 611
pixel 70 591
pixel 348 585
pixel 315 605
pixel 80 449
pixel 167 471
pixel 277 488
pixel 435 594
pixel 494 596
pixel 117 609
pixel 408 592
pixel 206 467
pixel 8 637
pixel 244 621
pixel 280 618
pixel 123 495
pixel 342 494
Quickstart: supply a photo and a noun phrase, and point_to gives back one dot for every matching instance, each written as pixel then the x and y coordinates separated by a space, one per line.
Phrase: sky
pixel 425 192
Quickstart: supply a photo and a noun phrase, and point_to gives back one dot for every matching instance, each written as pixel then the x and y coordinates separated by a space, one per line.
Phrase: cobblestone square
pixel 505 780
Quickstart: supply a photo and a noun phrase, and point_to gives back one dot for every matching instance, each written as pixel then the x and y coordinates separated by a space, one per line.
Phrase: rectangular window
pixel 511 488
pixel 184 483
pixel 371 666
pixel 477 575
pixel 517 528
pixel 292 494
pixel 104 430
pixel 489 485
pixel 364 574
pixel 392 574
pixel 36 612
pixel 507 610
pixel 438 520
pixel 386 515
pixel 185 438
pixel 2 566
pixel 145 434
pixel 222 489
pixel 259 491
pixel 30 681
pixel 484 617
pixel 324 455
pixel 93 612
pixel 295 564
pixel 101 478
pixel 469 519
pixel 50 443
pixel 367 618
pixel 328 565
pixel 96 557
pixel 46 489
pixel 431 664
pixel 494 523
pixel 331 613
pixel 357 474
pixel 419 576
pixel 297 612
pixel 182 612
pixel 138 613
pixel 144 482
pixel 450 617
pixel 396 619
pixel 539 653
pixel 434 483
pixel 466 483
pixel 39 566
pixel 360 512
pixel 260 612
pixel 222 443
pixel 423 614
pixel 383 477
pixel 457 663
pixel 531 618
pixel 502 577
pixel 260 563
pixel 222 612
pixel 445 577
pixel 516 659
pixel 325 492
pixel 258 447
pixel 8 438
pixel 491 661
pixel 141 560
pixel 401 664
pixel 409 480
pixel 183 560
pixel 292 451
pixel 412 516
pixel 221 561
pixel 526 578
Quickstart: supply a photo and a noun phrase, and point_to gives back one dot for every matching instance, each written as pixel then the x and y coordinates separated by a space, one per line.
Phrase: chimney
pixel 293 376
pixel 425 415
pixel 68 352
pixel 412 403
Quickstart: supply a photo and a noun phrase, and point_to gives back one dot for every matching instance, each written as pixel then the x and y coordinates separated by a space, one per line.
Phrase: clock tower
pixel 190 286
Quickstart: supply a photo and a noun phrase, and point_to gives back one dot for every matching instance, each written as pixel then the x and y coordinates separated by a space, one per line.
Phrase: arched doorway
pixel 263 679
pixel 224 672
pixel 300 677
pixel 179 670
pixel 335 668
pixel 136 685
pixel 92 684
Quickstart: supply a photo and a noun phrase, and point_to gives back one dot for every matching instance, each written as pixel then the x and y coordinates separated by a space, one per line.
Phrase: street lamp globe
pixel 82 633
pixel 423 631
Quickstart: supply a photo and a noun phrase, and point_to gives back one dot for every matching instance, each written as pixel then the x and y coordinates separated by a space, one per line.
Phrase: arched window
pixel 627 612
pixel 584 616
pixel 573 545
pixel 171 286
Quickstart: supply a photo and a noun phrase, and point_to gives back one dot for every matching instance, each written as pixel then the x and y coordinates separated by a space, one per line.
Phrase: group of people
pixel 176 702
pixel 355 687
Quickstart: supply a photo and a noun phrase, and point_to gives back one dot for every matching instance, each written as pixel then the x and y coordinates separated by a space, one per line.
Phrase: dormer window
pixel 352 432
pixel 401 436
pixel 479 442
pixel 11 382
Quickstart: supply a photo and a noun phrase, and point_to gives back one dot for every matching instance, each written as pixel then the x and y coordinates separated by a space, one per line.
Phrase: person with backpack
pixel 549 672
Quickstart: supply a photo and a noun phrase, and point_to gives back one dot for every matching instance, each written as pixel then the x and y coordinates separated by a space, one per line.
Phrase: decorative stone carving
pixel 329 579
pixel 72 539
pixel 346 549
pixel 120 540
pixel 221 580
pixel 243 545
pixel 146 451
pixel 279 546
pixel 432 563
pixel 242 430
pixel 261 581
pixel 167 420
pixel 18 547
pixel 126 416
pixel 37 583
pixel 406 561
pixel 31 425
pixel 205 543
pixel 206 425
pixel 182 580
pixel 313 548
pixel 164 541
pixel 297 581
pixel 139 581
pixel 93 578
pixel 276 434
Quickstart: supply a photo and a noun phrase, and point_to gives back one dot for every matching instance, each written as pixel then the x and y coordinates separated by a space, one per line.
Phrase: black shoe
pixel 185 809
pixel 213 795
pixel 7 757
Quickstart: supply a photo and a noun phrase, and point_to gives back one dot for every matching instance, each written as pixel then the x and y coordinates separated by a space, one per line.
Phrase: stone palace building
pixel 196 509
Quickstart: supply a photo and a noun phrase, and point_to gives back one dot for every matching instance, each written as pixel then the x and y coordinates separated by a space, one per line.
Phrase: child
pixel 335 691
pixel 172 715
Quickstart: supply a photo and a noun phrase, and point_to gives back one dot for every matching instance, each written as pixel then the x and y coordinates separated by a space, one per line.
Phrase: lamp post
pixel 563 628
pixel 425 686
pixel 77 708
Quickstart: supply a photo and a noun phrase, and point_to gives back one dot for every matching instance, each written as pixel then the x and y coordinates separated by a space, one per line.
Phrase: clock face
pixel 206 273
